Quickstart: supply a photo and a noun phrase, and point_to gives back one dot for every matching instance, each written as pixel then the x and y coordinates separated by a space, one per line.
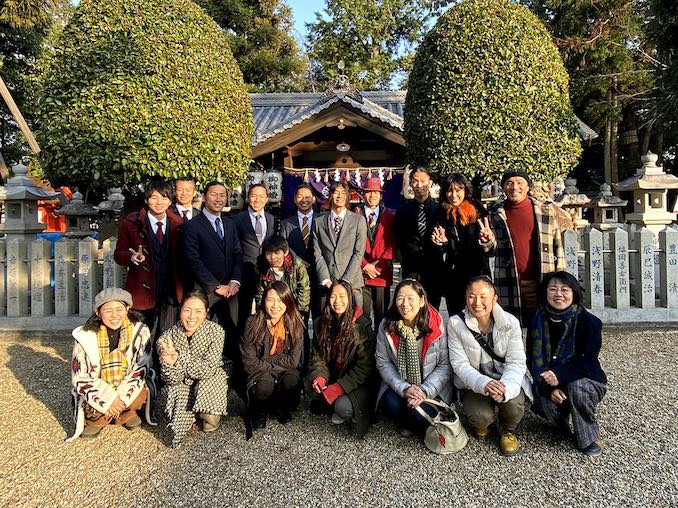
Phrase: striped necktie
pixel 421 222
pixel 305 232
pixel 337 225
pixel 219 229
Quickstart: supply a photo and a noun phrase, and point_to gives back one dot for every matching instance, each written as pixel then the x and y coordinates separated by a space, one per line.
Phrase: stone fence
pixel 626 277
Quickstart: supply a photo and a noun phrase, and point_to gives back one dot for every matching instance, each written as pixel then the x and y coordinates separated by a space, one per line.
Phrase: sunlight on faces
pixel 276 258
pixel 185 192
pixel 215 199
pixel 112 314
pixel 409 303
pixel 158 204
pixel 516 189
pixel 257 198
pixel 193 314
pixel 274 306
pixel 559 295
pixel 339 300
pixel 480 299
pixel 304 200
pixel 339 199
pixel 372 199
pixel 456 194
pixel 420 183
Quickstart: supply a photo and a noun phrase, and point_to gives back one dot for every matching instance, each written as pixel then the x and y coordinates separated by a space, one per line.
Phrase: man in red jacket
pixel 147 246
pixel 377 262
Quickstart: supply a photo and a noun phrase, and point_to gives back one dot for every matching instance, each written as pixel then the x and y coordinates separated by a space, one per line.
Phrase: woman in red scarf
pixel 463 234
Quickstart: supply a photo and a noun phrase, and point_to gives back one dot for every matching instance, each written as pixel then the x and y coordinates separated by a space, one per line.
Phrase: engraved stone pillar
pixel 619 269
pixel 594 281
pixel 570 242
pixel 88 271
pixel 645 284
pixel 113 272
pixel 64 280
pixel 17 278
pixel 668 268
pixel 41 289
pixel 3 273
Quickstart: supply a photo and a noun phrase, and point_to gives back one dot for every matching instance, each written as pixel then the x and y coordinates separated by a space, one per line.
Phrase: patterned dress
pixel 197 382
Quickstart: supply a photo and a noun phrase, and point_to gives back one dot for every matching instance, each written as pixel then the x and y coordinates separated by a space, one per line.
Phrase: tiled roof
pixel 274 113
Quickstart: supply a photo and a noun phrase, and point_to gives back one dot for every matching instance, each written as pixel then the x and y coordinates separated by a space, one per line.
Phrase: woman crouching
pixel 341 371
pixel 191 366
pixel 271 349
pixel 110 366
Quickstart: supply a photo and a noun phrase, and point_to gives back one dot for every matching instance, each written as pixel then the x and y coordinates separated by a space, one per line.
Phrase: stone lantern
pixel 21 195
pixel 650 192
pixel 574 203
pixel 607 209
pixel 78 215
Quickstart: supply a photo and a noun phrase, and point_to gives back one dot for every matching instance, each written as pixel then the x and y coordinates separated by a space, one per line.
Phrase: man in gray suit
pixel 339 244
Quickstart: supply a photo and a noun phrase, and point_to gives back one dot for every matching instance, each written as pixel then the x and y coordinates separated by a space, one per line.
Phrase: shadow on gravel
pixel 46 379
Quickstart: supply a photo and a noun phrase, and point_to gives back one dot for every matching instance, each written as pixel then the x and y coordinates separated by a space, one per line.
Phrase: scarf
pixel 114 363
pixel 463 214
pixel 409 365
pixel 287 268
pixel 541 340
pixel 277 332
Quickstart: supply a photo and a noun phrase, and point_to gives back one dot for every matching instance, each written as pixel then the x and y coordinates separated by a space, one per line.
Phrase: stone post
pixel 64 280
pixel 17 278
pixel 645 283
pixel 41 268
pixel 570 241
pixel 595 278
pixel 113 272
pixel 88 280
pixel 619 269
pixel 3 272
pixel 668 268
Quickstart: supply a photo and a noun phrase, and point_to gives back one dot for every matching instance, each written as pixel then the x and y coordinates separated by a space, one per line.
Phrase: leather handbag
pixel 446 433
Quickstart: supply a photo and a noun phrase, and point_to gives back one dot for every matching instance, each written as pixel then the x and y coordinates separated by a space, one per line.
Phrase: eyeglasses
pixel 562 290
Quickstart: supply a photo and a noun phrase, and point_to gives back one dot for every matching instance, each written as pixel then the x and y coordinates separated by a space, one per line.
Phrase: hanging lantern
pixel 235 199
pixel 273 183
pixel 252 178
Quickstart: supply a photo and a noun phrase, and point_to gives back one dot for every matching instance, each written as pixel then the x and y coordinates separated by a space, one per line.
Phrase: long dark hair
pixel 393 315
pixel 258 328
pixel 335 332
pixel 567 279
pixel 94 322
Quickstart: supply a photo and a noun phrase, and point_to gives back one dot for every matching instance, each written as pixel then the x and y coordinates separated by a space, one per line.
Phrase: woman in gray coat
pixel 412 358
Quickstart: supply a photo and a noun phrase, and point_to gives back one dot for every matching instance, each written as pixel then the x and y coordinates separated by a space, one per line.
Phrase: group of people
pixel 213 302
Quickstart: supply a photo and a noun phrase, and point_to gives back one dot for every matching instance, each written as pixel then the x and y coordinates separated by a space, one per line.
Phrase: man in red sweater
pixel 529 245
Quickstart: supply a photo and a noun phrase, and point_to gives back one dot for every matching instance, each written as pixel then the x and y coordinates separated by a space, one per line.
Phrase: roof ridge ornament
pixel 342 85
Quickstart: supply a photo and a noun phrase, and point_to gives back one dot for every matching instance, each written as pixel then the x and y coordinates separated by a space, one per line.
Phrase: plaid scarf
pixel 541 340
pixel 409 365
pixel 288 268
pixel 114 363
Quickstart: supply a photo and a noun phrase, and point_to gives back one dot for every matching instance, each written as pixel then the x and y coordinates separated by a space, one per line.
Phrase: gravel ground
pixel 312 463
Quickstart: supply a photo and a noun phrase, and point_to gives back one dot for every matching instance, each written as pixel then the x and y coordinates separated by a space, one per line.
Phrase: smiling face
pixel 420 182
pixel 480 300
pixel 372 199
pixel 409 303
pixel 193 314
pixel 274 306
pixel 185 192
pixel 559 295
pixel 158 204
pixel 516 189
pixel 257 198
pixel 112 314
pixel 339 199
pixel 339 300
pixel 304 200
pixel 456 194
pixel 215 199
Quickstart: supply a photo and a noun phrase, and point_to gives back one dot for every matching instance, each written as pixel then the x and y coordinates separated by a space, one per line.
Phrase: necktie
pixel 305 233
pixel 184 213
pixel 258 229
pixel 337 225
pixel 373 221
pixel 159 234
pixel 217 226
pixel 421 222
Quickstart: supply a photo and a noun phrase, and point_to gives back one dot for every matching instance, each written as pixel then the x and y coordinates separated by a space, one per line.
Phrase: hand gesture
pixel 415 396
pixel 319 384
pixel 558 396
pixel 138 255
pixel 496 390
pixel 370 270
pixel 166 352
pixel 439 237
pixel 485 235
pixel 549 378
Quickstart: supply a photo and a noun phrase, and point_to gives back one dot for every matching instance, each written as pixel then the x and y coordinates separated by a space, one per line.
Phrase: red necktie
pixel 185 214
pixel 159 234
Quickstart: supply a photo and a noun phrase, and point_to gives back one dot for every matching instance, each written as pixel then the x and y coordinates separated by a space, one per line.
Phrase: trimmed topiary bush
pixel 488 92
pixel 140 89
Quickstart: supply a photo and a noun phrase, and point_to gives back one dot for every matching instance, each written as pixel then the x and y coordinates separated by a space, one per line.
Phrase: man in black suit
pixel 254 225
pixel 214 258
pixel 413 227
pixel 184 194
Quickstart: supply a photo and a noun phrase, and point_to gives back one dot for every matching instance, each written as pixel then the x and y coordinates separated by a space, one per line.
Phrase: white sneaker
pixel 338 420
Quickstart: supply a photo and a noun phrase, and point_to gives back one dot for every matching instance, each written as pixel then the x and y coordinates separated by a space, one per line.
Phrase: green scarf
pixel 409 365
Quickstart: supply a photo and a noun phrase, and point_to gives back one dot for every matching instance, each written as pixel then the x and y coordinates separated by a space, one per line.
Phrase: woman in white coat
pixel 489 364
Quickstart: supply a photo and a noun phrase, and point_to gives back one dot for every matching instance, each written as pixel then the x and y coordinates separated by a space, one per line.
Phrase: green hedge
pixel 488 92
pixel 143 88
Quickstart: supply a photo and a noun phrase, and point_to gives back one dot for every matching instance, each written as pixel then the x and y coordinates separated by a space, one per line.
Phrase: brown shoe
pixel 90 431
pixel 133 423
pixel 210 422
pixel 481 433
pixel 509 444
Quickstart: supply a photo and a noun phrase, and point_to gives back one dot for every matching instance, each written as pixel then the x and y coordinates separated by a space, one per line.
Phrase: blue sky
pixel 303 12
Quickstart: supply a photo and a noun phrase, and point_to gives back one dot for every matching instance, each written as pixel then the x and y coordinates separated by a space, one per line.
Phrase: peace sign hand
pixel 138 256
pixel 485 235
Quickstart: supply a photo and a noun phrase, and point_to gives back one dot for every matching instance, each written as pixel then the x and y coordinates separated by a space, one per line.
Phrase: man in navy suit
pixel 214 258
pixel 254 225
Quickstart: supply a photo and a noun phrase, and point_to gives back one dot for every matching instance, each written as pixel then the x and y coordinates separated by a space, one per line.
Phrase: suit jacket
pixel 380 248
pixel 249 244
pixel 290 229
pixel 173 207
pixel 211 261
pixel 420 258
pixel 340 258
pixel 141 280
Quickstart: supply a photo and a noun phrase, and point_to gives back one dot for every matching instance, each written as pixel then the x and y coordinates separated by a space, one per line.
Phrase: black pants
pixel 272 392
pixel 378 299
